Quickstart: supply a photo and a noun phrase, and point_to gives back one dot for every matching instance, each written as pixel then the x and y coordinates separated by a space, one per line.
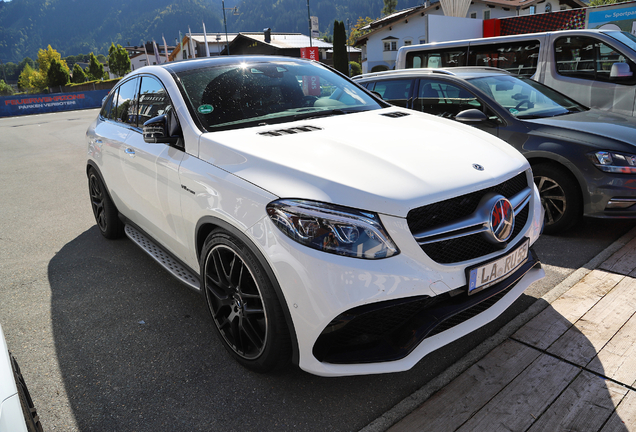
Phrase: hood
pixel 593 127
pixel 367 160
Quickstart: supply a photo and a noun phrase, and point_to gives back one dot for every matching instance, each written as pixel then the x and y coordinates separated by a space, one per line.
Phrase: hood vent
pixel 396 114
pixel 290 131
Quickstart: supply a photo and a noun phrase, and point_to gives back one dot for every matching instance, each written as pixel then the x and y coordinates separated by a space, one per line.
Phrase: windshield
pixel 626 38
pixel 250 94
pixel 525 98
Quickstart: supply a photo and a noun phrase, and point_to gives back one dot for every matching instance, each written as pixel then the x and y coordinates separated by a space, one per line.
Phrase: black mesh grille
pixel 443 212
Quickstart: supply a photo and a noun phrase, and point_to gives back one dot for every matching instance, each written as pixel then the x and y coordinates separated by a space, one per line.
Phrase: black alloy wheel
pixel 243 304
pixel 104 210
pixel 560 197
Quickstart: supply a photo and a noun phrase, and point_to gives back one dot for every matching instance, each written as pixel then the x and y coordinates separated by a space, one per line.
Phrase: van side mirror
pixel 472 115
pixel 156 131
pixel 620 70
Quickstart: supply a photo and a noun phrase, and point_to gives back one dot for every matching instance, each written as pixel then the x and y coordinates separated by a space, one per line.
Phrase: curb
pixel 412 402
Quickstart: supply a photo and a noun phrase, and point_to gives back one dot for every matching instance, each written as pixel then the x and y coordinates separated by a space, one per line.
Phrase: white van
pixel 595 67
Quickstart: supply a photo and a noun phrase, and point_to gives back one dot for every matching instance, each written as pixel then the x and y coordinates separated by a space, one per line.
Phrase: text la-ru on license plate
pixel 489 274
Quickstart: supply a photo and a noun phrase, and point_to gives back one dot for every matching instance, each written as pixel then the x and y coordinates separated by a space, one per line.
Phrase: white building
pixel 427 23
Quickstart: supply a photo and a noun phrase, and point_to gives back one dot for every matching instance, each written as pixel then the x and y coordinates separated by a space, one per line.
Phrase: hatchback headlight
pixel 333 229
pixel 613 162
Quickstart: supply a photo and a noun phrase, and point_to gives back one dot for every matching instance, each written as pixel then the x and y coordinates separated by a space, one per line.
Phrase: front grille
pixel 447 211
pixel 389 331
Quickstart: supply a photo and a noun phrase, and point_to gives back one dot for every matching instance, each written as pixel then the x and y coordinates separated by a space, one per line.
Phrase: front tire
pixel 245 309
pixel 31 417
pixel 560 197
pixel 104 210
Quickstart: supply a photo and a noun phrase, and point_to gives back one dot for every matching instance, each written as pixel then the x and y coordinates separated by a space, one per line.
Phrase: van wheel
pixel 560 197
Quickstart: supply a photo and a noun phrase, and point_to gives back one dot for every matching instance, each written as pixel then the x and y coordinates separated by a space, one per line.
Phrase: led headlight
pixel 333 229
pixel 613 162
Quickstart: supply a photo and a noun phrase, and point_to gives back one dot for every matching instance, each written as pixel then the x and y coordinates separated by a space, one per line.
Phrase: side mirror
pixel 472 115
pixel 620 70
pixel 156 131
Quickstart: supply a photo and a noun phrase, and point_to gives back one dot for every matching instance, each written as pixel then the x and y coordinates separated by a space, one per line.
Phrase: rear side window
pixel 587 58
pixel 436 58
pixel 124 110
pixel 515 57
pixel 394 91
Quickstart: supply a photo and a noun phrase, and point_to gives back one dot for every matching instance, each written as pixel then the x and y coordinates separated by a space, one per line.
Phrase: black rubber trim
pixel 219 223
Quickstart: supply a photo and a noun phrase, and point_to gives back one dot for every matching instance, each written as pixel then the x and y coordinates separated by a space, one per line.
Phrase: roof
pixel 462 71
pixel 287 40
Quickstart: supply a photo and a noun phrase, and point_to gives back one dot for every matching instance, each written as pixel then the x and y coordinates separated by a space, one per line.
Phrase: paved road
pixel 108 341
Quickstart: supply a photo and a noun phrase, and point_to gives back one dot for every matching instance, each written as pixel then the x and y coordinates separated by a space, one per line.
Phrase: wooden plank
pixel 584 406
pixel 624 418
pixel 447 409
pixel 622 261
pixel 617 359
pixel 523 401
pixel 544 329
pixel 594 330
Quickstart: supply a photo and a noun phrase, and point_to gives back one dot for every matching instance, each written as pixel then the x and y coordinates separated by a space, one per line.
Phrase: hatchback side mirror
pixel 156 130
pixel 472 115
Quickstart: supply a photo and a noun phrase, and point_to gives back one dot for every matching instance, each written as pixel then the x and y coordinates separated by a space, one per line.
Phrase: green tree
pixel 356 69
pixel 95 69
pixel 340 60
pixel 118 60
pixel 26 81
pixel 57 74
pixel 78 74
pixel 47 57
pixel 389 7
pixel 357 32
pixel 606 2
pixel 5 89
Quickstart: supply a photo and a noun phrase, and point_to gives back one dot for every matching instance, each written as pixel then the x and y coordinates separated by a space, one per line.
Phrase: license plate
pixel 489 274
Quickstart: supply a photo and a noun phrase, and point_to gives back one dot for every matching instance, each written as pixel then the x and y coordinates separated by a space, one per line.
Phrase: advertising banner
pixel 615 17
pixel 45 103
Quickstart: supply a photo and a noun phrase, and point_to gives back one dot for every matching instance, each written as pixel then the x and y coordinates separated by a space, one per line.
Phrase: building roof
pixel 287 40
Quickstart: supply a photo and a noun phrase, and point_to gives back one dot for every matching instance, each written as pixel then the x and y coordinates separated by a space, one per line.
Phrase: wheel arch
pixel 564 165
pixel 208 224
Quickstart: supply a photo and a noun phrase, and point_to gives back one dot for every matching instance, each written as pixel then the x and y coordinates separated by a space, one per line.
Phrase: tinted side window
pixel 153 100
pixel 436 58
pixel 444 99
pixel 516 57
pixel 107 110
pixel 126 101
pixel 394 91
pixel 587 58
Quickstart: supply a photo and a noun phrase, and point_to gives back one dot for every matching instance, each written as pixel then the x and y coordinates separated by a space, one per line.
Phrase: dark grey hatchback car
pixel 583 160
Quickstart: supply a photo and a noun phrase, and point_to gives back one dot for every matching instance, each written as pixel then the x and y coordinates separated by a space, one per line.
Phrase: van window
pixel 436 58
pixel 515 57
pixel 587 58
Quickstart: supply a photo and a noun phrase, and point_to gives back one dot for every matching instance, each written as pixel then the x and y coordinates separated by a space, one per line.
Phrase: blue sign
pixel 37 104
pixel 613 18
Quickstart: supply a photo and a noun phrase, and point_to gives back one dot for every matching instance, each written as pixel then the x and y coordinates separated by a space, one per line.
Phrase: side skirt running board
pixel 174 267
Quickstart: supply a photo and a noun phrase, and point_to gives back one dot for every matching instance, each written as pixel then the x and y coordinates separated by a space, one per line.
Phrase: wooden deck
pixel 571 368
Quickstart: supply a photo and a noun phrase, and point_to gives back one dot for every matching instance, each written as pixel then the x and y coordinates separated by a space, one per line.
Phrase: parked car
pixel 319 222
pixel 584 160
pixel 595 67
pixel 17 411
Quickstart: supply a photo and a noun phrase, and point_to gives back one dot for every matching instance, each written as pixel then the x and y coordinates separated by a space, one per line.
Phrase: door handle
pixel 130 152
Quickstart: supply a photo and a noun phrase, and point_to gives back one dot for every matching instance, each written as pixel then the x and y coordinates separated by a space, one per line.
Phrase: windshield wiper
pixel 317 114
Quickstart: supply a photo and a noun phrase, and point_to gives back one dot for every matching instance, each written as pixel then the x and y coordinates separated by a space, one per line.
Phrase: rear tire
pixel 242 301
pixel 104 210
pixel 560 197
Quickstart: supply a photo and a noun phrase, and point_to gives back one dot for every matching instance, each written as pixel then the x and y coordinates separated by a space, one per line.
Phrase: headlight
pixel 613 162
pixel 333 229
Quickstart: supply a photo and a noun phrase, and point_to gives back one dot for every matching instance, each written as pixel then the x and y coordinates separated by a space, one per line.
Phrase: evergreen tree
pixel 78 74
pixel 340 60
pixel 389 7
pixel 95 70
pixel 57 75
pixel 118 60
